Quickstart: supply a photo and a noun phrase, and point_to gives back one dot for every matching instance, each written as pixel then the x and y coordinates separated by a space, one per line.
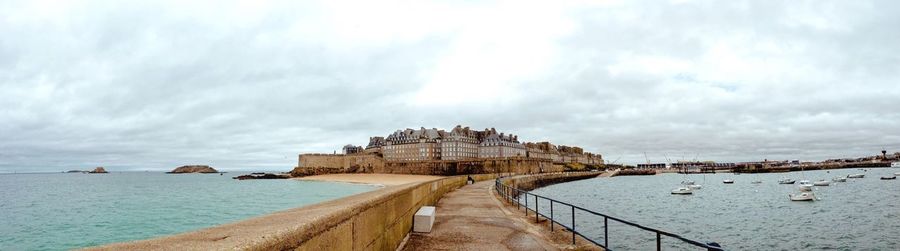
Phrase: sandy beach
pixel 372 178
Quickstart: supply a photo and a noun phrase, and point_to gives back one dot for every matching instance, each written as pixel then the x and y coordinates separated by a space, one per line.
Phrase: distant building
pixel 351 149
pixel 413 145
pixel 463 143
pixel 500 145
pixel 460 143
pixel 375 142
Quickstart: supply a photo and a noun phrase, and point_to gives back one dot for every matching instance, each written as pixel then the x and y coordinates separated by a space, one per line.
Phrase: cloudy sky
pixel 247 85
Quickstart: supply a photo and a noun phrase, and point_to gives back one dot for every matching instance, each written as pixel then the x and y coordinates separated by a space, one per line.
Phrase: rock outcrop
pixel 99 170
pixel 194 169
pixel 263 176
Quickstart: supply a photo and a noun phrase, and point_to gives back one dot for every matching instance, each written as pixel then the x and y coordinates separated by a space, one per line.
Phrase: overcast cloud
pixel 249 85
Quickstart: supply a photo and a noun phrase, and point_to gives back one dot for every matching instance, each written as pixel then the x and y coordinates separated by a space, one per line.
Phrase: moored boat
pixel 805 187
pixel 695 187
pixel 889 177
pixel 822 183
pixel 839 179
pixel 682 191
pixel 804 196
pixel 728 181
pixel 756 182
pixel 786 181
pixel 856 176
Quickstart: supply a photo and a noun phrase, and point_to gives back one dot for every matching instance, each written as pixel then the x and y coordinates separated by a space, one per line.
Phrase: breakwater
pixel 376 220
pixel 531 182
pixel 760 168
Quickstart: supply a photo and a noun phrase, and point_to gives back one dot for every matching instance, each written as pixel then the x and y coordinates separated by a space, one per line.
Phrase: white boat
pixel 895 164
pixel 822 183
pixel 839 179
pixel 804 196
pixel 687 182
pixel 756 182
pixel 856 176
pixel 695 187
pixel 728 181
pixel 805 187
pixel 682 191
pixel 897 174
pixel 786 181
pixel 805 182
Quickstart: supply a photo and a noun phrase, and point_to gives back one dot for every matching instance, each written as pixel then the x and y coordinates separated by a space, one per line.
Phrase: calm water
pixel 65 211
pixel 860 214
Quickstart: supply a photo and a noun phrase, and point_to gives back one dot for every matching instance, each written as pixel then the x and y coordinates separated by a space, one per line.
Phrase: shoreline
pixel 376 179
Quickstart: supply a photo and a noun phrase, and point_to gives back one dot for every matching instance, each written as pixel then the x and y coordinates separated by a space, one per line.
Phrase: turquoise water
pixel 860 214
pixel 65 211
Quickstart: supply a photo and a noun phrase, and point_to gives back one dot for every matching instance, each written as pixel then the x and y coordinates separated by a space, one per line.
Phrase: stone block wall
pixel 315 164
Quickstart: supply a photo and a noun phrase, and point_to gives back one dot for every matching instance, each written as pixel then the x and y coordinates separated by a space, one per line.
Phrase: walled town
pixel 439 152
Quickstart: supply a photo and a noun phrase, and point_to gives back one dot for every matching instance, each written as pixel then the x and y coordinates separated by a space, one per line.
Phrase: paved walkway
pixel 471 219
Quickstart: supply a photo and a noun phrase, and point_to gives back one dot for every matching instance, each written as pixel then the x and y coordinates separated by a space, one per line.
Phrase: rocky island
pixel 194 169
pixel 99 170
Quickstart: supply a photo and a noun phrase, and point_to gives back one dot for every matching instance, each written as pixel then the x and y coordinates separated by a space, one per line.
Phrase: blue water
pixel 860 214
pixel 64 211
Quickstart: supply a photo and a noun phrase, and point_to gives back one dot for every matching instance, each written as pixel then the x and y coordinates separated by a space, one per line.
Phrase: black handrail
pixel 513 196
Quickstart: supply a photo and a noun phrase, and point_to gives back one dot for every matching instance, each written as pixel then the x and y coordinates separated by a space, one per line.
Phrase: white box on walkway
pixel 423 220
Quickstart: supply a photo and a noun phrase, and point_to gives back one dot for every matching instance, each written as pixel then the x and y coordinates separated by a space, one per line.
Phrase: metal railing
pixel 514 196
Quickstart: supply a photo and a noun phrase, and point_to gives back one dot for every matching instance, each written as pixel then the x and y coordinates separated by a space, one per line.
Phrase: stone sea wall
pixel 315 164
pixel 531 182
pixel 377 220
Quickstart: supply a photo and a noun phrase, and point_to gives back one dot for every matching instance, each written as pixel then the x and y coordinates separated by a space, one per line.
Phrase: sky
pixel 249 85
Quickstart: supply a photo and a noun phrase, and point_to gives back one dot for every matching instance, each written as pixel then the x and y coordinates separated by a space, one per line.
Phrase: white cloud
pixel 249 84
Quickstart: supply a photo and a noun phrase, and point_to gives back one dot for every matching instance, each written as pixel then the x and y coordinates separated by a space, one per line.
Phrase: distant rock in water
pixel 99 170
pixel 194 169
pixel 263 176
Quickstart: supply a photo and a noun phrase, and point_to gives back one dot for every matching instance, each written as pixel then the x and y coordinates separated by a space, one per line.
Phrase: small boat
pixel 756 182
pixel 895 164
pixel 805 182
pixel 805 187
pixel 687 182
pixel 682 191
pixel 889 177
pixel 839 179
pixel 856 176
pixel 694 187
pixel 728 181
pixel 897 174
pixel 822 183
pixel 804 196
pixel 786 181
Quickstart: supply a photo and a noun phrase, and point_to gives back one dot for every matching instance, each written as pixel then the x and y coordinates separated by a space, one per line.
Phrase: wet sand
pixel 372 178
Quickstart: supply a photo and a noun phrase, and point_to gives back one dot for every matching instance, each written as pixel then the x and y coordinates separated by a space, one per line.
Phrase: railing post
pixel 507 195
pixel 551 215
pixel 658 242
pixel 526 203
pixel 606 231
pixel 573 225
pixel 518 200
pixel 536 214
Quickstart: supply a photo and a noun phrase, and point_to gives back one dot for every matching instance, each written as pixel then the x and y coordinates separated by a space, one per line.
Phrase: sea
pixel 860 214
pixel 62 211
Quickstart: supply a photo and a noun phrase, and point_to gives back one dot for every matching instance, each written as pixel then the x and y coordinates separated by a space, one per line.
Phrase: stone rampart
pixel 315 164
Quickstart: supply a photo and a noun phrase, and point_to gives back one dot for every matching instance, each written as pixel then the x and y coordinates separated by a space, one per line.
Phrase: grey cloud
pixel 157 85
